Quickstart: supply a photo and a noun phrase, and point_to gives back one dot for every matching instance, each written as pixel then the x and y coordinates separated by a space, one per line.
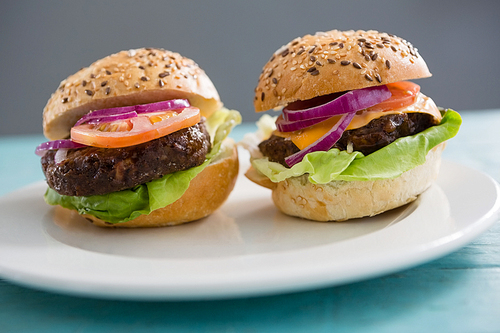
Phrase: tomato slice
pixel 404 93
pixel 129 132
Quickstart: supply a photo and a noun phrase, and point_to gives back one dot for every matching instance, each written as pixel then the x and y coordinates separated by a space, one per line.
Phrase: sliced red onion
pixel 125 112
pixel 105 113
pixel 289 126
pixel 172 104
pixel 110 118
pixel 56 144
pixel 60 155
pixel 353 100
pixel 325 142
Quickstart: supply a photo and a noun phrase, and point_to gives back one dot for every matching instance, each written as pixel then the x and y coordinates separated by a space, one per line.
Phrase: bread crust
pixel 128 78
pixel 344 200
pixel 206 193
pixel 335 61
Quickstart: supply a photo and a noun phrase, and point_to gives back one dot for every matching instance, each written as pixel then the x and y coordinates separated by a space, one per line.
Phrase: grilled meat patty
pixel 375 135
pixel 91 170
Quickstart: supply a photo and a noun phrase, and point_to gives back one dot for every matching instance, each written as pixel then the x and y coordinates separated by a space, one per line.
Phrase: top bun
pixel 128 78
pixel 335 61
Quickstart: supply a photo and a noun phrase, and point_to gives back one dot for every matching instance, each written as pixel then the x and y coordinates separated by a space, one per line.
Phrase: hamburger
pixel 139 139
pixel 354 137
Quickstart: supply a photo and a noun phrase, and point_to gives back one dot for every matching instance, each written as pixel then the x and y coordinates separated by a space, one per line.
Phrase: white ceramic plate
pixel 246 248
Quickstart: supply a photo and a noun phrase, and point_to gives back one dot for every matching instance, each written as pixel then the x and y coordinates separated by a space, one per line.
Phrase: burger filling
pixel 377 134
pixel 95 171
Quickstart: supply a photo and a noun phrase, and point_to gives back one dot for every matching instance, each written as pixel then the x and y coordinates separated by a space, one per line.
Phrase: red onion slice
pixel 353 100
pixel 325 142
pixel 110 118
pixel 56 144
pixel 173 104
pixel 289 126
pixel 106 115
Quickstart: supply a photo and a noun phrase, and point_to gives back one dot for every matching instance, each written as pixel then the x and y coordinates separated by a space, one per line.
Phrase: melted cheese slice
pixel 307 136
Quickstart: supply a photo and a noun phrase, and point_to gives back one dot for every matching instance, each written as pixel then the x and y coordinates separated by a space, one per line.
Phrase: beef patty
pixel 91 170
pixel 375 135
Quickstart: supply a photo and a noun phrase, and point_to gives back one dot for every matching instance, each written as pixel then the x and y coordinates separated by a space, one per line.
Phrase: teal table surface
pixel 456 293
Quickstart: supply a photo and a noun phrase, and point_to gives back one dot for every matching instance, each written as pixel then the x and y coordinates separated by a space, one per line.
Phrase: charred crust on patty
pixel 95 171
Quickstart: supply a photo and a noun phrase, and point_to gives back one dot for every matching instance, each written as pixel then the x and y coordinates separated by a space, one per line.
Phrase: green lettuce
pixel 389 162
pixel 128 204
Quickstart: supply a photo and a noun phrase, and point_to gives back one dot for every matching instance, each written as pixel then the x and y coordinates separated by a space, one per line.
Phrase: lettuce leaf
pixel 128 204
pixel 389 162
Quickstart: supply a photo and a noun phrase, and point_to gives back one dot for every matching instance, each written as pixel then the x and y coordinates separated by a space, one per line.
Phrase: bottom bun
pixel 343 200
pixel 206 193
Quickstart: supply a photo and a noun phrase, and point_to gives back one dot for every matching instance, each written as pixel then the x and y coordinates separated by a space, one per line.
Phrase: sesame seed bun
pixel 335 61
pixel 128 78
pixel 206 193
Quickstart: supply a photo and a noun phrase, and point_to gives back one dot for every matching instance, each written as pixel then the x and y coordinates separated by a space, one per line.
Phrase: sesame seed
pixel 374 56
pixel 367 57
pixel 333 44
pixel 295 43
pixel 313 58
pixel 107 91
pixel 388 64
pixel 262 96
pixel 103 83
pixel 368 77
pixel 330 61
pixel 318 63
pixel 379 79
pixel 312 49
pixel 380 46
pixel 141 67
pixel 271 72
pixel 161 83
pixel 355 64
pixel 275 80
pixel 394 48
pixel 341 45
pixel 301 51
pixel 92 76
pixel 361 40
pixel 137 85
pixel 312 69
pixel 144 78
pixel 108 72
pixel 65 100
pixel 293 68
pixel 84 83
pixel 316 72
pixel 162 75
pixel 285 53
pixel 345 62
pixel 89 92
